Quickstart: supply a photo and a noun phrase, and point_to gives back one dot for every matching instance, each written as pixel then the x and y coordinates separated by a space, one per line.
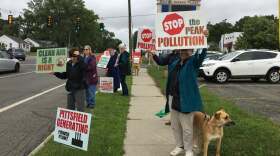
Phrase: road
pixel 261 97
pixel 25 124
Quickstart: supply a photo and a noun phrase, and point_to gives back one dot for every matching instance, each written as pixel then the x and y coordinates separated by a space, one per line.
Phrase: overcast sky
pixel 214 10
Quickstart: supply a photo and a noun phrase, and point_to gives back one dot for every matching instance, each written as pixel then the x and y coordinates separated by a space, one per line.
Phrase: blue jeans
pixel 90 95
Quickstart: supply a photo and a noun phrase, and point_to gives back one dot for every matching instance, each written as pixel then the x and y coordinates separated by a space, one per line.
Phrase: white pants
pixel 182 126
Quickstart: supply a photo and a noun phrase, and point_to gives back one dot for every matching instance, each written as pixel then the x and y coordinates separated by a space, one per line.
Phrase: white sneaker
pixel 177 151
pixel 189 153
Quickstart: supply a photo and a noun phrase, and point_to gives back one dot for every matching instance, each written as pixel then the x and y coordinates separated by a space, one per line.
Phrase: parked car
pixel 8 64
pixel 17 53
pixel 253 64
pixel 213 56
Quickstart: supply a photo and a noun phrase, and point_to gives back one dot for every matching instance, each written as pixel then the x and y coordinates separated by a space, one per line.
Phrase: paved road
pixel 261 97
pixel 25 126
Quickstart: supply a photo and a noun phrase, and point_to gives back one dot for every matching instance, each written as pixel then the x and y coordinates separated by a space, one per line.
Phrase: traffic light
pixel 102 26
pixel 78 24
pixel 50 21
pixel 10 19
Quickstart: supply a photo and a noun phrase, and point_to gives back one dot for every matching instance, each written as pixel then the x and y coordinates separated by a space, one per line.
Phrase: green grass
pixel 107 129
pixel 253 135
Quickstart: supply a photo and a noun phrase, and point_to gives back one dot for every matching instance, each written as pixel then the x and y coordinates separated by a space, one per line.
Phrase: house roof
pixel 32 40
pixel 16 39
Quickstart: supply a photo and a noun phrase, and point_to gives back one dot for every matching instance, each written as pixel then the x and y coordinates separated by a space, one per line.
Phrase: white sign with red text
pixel 72 128
pixel 146 39
pixel 136 56
pixel 180 30
pixel 106 85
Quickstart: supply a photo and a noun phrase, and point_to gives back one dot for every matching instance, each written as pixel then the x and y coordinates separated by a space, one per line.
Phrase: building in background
pixel 32 42
pixel 228 41
pixel 177 5
pixel 12 42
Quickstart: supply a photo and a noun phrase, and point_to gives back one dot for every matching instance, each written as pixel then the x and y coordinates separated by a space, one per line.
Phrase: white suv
pixel 254 64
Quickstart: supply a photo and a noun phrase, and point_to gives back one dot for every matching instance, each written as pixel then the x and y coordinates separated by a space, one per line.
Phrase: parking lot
pixel 255 97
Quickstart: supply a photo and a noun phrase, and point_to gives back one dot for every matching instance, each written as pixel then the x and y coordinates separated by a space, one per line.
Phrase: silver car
pixel 7 64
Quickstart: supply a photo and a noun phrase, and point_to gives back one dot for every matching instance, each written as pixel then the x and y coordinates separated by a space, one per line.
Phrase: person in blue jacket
pixel 184 98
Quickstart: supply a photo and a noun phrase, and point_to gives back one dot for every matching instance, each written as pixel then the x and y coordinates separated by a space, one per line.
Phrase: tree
pixel 217 30
pixel 64 27
pixel 259 33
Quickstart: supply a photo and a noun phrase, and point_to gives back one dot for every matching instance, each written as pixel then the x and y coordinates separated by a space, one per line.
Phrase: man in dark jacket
pixel 166 60
pixel 124 66
pixel 75 85
pixel 91 76
pixel 112 70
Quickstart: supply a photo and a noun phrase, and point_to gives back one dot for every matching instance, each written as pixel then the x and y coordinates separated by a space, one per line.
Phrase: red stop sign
pixel 173 24
pixel 146 35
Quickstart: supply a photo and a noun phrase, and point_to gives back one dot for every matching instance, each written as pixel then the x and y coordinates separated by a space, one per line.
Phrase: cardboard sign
pixel 180 30
pixel 146 39
pixel 51 60
pixel 106 85
pixel 104 60
pixel 72 128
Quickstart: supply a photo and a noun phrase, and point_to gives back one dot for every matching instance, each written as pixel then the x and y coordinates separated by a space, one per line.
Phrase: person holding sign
pixel 184 97
pixel 75 85
pixel 124 66
pixel 91 76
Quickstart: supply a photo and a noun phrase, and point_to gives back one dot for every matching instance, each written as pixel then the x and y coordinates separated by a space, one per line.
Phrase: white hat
pixel 122 45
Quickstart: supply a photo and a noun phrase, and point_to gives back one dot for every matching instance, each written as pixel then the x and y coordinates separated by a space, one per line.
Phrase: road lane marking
pixel 15 75
pixel 28 99
pixel 38 148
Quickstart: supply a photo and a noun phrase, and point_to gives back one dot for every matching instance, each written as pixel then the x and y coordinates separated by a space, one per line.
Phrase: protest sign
pixel 51 60
pixel 146 39
pixel 180 30
pixel 136 56
pixel 72 128
pixel 104 60
pixel 106 85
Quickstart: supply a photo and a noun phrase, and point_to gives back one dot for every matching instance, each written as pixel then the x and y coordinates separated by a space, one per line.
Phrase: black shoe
pixel 90 106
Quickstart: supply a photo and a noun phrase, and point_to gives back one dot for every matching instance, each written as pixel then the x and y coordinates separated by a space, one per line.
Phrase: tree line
pixel 63 30
pixel 259 32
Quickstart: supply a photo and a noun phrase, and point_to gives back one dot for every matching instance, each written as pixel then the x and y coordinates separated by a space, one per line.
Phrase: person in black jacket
pixel 75 85
pixel 124 66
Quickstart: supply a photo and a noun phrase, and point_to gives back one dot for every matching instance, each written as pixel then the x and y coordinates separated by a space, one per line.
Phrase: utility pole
pixel 129 26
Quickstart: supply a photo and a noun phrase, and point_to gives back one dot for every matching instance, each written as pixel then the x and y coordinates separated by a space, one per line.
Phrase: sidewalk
pixel 147 135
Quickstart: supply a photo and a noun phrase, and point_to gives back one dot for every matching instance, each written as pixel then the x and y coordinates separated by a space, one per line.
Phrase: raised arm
pixel 199 57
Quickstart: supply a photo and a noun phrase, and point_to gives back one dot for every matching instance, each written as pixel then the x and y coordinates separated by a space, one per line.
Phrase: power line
pixel 113 17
